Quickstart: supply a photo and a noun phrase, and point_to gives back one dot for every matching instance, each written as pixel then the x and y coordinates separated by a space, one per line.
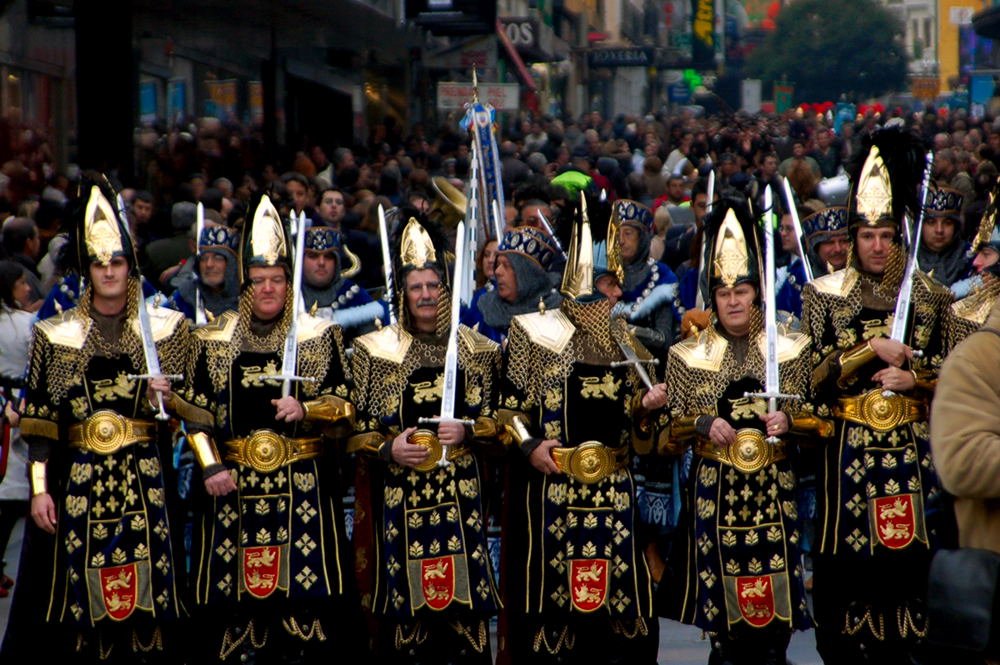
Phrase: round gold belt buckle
pixel 882 413
pixel 591 462
pixel 429 440
pixel 105 432
pixel 750 452
pixel 266 451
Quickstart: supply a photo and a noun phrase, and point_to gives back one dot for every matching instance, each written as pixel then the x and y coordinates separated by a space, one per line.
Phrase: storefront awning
pixel 522 70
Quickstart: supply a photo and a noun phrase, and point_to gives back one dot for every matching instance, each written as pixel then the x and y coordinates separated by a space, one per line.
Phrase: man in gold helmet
pixel 878 495
pixel 576 585
pixel 421 525
pixel 737 573
pixel 99 580
pixel 271 578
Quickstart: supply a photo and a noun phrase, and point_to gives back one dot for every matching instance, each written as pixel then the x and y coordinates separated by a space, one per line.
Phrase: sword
pixel 548 229
pixel 632 358
pixel 772 381
pixel 497 223
pixel 905 299
pixel 383 230
pixel 806 265
pixel 451 355
pixel 290 357
pixel 146 335
pixel 472 231
pixel 199 307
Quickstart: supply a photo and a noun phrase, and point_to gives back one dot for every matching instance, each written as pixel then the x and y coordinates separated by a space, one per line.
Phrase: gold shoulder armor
pixel 975 307
pixel 837 283
pixel 552 330
pixel 311 327
pixel 66 329
pixel 390 343
pixel 932 285
pixel 163 321
pixel 474 342
pixel 791 344
pixel 219 330
pixel 697 353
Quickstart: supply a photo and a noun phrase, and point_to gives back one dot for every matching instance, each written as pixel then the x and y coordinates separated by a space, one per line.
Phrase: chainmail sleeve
pixel 39 420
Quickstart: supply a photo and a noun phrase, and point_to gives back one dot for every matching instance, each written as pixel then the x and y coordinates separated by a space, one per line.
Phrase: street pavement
pixel 679 644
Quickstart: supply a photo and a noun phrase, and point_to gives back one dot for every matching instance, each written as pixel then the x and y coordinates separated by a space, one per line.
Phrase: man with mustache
pixel 420 527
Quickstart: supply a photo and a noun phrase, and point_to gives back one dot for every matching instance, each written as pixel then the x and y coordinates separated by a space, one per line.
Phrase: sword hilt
pixel 162 412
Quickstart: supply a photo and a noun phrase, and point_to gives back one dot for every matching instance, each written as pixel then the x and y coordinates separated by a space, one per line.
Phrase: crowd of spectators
pixel 659 160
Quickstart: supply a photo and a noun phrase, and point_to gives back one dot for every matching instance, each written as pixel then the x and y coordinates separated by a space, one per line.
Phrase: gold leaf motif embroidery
pixel 80 473
pixel 76 505
pixel 304 481
pixel 393 496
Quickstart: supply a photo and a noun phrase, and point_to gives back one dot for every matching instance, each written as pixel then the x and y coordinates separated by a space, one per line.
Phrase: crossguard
pixel 288 377
pixel 773 396
pixel 438 421
pixel 769 396
pixel 162 414
pixel 635 361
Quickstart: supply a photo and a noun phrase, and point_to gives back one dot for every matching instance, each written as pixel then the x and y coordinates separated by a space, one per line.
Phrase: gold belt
pixel 266 451
pixel 105 432
pixel 751 452
pixel 879 412
pixel 429 440
pixel 591 461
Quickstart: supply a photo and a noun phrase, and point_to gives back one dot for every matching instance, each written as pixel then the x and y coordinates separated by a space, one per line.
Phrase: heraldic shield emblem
pixel 437 579
pixel 119 586
pixel 896 520
pixel 588 582
pixel 261 566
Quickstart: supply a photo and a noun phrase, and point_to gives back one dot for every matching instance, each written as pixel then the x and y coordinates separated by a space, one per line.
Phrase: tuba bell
pixel 449 205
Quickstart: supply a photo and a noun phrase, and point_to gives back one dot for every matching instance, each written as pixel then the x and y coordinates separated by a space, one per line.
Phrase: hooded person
pixel 826 244
pixel 214 272
pixel 878 524
pixel 99 586
pixel 970 311
pixel 943 251
pixel 741 480
pixel 269 549
pixel 523 279
pixel 577 426
pixel 431 587
pixel 327 289
pixel 649 288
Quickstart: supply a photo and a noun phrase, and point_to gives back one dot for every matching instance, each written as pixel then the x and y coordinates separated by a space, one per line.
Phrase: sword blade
pixel 806 265
pixel 383 234
pixel 771 379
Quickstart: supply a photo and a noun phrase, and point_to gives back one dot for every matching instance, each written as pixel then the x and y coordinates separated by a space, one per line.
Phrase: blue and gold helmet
pixel 823 225
pixel 220 239
pixel 531 243
pixel 944 202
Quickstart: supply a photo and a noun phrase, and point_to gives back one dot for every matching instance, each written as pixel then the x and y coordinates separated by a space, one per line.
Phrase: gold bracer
pixel 750 453
pixel 515 424
pixel 853 359
pixel 879 412
pixel 591 461
pixel 485 428
pixel 266 451
pixel 809 423
pixel 329 409
pixel 368 442
pixel 106 432
pixel 38 478
pixel 672 440
pixel 429 440
pixel 204 449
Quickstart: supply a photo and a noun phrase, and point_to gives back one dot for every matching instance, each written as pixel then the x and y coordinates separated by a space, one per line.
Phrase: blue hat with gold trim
pixel 530 242
pixel 632 213
pixel 323 239
pixel 219 239
pixel 824 224
pixel 944 202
